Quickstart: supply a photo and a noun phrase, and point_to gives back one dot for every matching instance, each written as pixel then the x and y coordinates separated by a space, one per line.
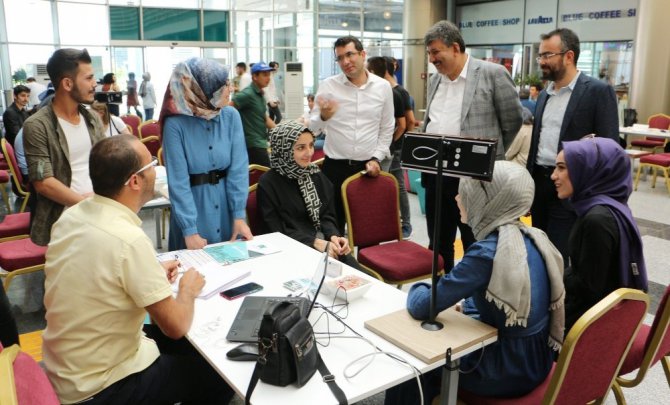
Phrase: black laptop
pixel 248 319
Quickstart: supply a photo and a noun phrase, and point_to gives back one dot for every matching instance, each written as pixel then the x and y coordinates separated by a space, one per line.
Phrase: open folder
pixel 217 278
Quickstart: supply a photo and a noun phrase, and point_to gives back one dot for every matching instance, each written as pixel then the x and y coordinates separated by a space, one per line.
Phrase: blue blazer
pixel 592 109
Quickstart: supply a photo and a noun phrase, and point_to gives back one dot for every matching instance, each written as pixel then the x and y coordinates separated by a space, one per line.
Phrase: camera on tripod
pixel 107 97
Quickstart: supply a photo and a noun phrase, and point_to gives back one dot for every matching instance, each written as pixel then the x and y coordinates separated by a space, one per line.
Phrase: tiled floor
pixel 651 207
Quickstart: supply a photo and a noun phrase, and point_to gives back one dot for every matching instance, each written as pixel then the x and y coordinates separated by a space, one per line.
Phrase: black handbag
pixel 287 352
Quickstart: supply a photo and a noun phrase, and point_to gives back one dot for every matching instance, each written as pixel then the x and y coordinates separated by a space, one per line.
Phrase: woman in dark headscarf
pixel 512 279
pixel 605 246
pixel 206 157
pixel 295 198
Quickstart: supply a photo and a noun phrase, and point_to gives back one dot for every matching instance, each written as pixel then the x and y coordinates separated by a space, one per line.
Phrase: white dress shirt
pixel 552 120
pixel 445 109
pixel 363 125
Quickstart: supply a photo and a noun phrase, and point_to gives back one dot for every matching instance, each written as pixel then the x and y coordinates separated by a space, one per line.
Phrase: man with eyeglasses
pixel 102 277
pixel 57 140
pixel 571 106
pixel 355 109
pixel 468 97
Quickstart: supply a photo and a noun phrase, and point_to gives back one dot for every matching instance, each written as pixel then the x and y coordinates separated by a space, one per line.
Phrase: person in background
pixel 242 79
pixel 468 97
pixel 205 156
pixel 253 110
pixel 355 109
pixel 109 84
pixel 296 199
pixel 320 137
pixel 534 91
pixel 148 94
pixel 605 248
pixel 572 105
pixel 96 347
pixel 511 278
pixel 518 150
pixel 59 174
pixel 36 89
pixel 272 95
pixel 117 126
pixel 17 113
pixel 526 102
pixel 131 96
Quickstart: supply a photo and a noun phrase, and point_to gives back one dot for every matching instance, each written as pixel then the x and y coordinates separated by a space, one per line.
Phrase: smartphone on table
pixel 240 291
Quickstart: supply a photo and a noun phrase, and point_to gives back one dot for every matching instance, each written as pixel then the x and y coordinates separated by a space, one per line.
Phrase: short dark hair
pixel 242 65
pixel 524 94
pixel 538 86
pixel 390 64
pixel 569 40
pixel 65 63
pixel 274 64
pixel 377 65
pixel 343 41
pixel 310 97
pixel 21 89
pixel 30 79
pixel 111 163
pixel 445 31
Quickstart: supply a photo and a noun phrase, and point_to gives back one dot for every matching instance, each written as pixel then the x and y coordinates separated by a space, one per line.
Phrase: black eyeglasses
pixel 548 55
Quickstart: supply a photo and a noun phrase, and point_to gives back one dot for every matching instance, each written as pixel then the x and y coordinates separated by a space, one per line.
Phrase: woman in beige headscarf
pixel 512 279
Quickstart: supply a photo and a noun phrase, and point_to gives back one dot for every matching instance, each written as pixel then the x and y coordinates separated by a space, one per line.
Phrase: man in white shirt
pixel 242 79
pixel 272 95
pixel 102 277
pixel 467 97
pixel 58 139
pixel 35 90
pixel 355 109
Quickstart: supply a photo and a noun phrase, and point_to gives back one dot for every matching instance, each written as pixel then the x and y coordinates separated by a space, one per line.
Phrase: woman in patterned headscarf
pixel 513 277
pixel 205 156
pixel 605 246
pixel 295 198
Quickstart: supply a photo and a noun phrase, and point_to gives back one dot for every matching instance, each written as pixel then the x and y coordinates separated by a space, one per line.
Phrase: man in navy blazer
pixel 571 106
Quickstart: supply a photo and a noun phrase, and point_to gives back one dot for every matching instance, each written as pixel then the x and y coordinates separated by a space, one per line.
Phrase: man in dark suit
pixel 573 105
pixel 468 97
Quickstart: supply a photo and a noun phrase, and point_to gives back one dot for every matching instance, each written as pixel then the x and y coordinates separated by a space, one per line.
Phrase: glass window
pixel 347 24
pixel 216 4
pixel 101 59
pixel 29 21
pixel 27 57
pixel 125 23
pixel 171 3
pixel 222 55
pixel 164 24
pixel 71 25
pixel 507 55
pixel 88 1
pixel 160 61
pixel 341 6
pixel 127 60
pixel 124 2
pixel 293 5
pixel 252 32
pixel 216 25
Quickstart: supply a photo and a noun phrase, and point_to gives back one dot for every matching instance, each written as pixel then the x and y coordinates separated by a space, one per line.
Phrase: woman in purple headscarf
pixel 205 156
pixel 605 245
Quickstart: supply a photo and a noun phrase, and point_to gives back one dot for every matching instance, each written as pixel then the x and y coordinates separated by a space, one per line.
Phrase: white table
pixel 213 317
pixel 626 131
pixel 157 205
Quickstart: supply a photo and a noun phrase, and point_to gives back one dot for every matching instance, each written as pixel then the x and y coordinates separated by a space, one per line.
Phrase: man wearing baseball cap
pixel 253 111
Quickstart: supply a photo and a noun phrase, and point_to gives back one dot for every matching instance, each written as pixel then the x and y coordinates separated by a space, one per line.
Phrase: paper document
pixel 217 278
pixel 232 252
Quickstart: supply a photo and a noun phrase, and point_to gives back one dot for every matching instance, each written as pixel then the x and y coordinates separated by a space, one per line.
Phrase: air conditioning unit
pixel 38 71
pixel 293 90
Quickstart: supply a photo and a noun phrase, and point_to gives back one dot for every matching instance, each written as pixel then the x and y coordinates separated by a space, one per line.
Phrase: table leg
pixel 157 220
pixel 449 393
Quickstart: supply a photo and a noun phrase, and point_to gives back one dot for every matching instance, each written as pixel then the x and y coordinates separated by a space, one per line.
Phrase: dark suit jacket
pixel 592 109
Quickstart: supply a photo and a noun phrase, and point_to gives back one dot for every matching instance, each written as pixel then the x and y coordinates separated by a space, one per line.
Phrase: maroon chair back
pixel 152 143
pixel 10 157
pixel 373 207
pixel 133 121
pixel 662 314
pixel 150 128
pixel 597 355
pixel 659 121
pixel 255 173
pixel 253 216
pixel 31 385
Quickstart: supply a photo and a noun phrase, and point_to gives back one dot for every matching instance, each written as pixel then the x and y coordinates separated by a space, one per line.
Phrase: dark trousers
pixel 450 218
pixel 259 156
pixel 9 334
pixel 274 113
pixel 180 374
pixel 337 172
pixel 149 114
pixel 554 216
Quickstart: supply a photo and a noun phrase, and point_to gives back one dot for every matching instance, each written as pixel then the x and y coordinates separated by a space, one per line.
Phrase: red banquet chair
pixel 133 121
pixel 22 380
pixel 255 173
pixel 17 177
pixel 654 143
pixel 372 211
pixel 149 128
pixel 253 214
pixel 593 352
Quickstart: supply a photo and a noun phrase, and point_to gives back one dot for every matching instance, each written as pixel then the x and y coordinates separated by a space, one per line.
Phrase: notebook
pixel 248 319
pixel 217 278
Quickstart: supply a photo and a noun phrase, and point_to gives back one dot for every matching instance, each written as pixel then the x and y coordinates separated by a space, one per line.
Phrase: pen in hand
pixel 180 268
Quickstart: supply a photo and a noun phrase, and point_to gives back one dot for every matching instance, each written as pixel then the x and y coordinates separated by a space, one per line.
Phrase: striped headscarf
pixel 497 206
pixel 282 139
